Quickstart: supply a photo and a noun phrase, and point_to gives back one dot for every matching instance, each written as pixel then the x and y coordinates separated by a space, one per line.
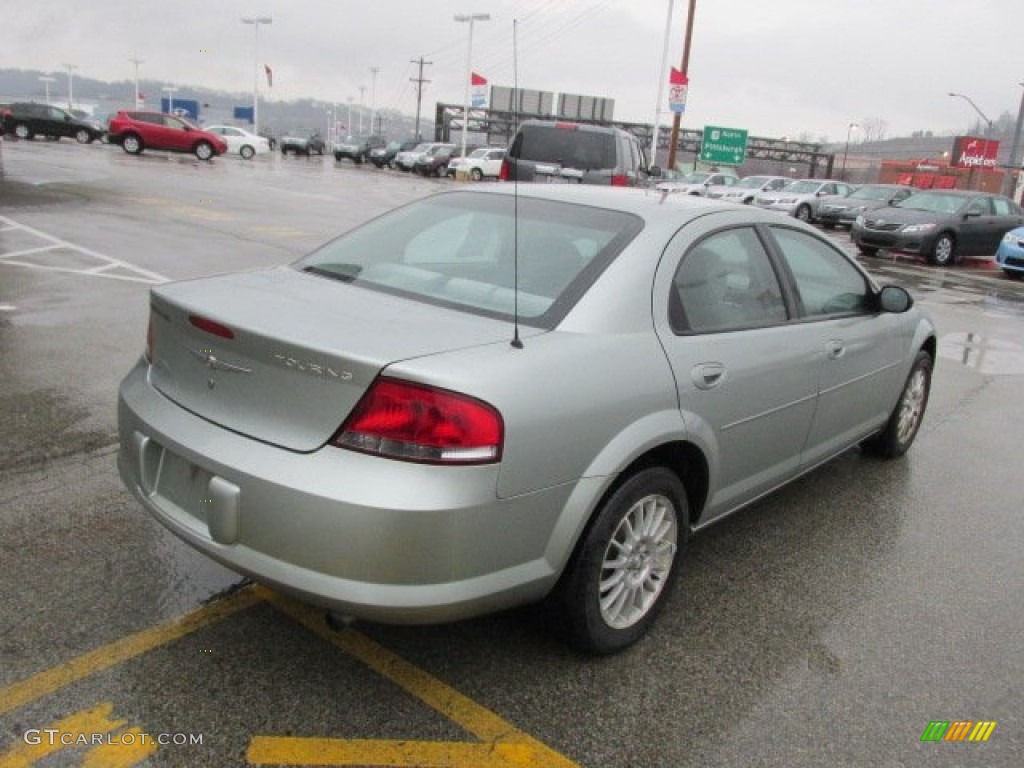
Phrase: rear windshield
pixel 465 249
pixel 569 147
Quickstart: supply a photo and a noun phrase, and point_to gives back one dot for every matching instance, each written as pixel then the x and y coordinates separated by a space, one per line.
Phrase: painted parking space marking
pixel 108 267
pixel 498 743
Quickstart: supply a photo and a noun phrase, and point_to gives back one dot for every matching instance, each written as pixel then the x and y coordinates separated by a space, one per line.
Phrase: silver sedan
pixel 489 398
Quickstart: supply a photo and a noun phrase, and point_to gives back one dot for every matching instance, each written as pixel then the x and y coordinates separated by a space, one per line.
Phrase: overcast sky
pixel 773 67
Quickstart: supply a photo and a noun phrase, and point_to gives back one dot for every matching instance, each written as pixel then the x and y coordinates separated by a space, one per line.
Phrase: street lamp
pixel 1015 162
pixel 348 121
pixel 846 150
pixel 988 131
pixel 362 97
pixel 70 68
pixel 255 21
pixel 373 100
pixel 47 79
pixel 661 85
pixel 471 18
pixel 170 90
pixel 136 63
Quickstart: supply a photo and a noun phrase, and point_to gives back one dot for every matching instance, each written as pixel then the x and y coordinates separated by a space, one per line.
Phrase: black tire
pixel 803 212
pixel 358 159
pixel 867 250
pixel 597 600
pixel 22 131
pixel 132 144
pixel 204 150
pixel 905 420
pixel 284 151
pixel 1013 274
pixel 476 174
pixel 337 157
pixel 83 136
pixel 943 252
pixel 828 224
pixel 247 152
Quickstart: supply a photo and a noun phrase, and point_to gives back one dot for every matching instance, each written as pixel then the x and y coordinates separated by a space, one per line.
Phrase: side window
pixel 980 206
pixel 828 284
pixel 1002 207
pixel 726 282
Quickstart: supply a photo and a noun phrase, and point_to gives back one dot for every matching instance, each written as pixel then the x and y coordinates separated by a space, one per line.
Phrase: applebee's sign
pixel 972 152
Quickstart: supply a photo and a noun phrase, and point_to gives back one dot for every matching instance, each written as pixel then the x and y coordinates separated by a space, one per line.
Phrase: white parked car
pixel 746 189
pixel 479 164
pixel 697 183
pixel 240 141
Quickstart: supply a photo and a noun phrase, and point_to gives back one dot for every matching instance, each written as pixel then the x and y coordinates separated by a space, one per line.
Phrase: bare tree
pixel 872 129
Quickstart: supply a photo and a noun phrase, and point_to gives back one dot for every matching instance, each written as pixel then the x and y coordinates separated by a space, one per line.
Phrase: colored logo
pixel 958 730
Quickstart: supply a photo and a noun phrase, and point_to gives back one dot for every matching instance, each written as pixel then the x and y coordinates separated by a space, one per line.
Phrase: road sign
pixel 723 146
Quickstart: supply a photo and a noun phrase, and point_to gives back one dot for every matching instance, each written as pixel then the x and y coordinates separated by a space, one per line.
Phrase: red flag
pixel 270 75
pixel 476 79
pixel 676 77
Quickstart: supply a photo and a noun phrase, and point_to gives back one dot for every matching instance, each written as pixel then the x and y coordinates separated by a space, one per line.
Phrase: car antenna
pixel 517 342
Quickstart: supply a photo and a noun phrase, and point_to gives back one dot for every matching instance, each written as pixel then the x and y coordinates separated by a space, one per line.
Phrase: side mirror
pixel 894 298
pixel 654 170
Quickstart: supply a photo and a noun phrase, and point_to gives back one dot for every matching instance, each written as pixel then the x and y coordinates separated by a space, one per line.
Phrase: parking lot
pixel 828 624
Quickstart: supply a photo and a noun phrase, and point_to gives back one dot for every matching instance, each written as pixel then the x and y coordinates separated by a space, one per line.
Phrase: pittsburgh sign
pixel 973 152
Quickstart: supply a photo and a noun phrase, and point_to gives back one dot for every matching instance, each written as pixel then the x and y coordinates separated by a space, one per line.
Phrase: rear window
pixel 464 250
pixel 569 147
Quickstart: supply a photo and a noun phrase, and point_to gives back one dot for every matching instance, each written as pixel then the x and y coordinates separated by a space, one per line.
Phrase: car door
pixel 746 375
pixel 858 347
pixel 977 228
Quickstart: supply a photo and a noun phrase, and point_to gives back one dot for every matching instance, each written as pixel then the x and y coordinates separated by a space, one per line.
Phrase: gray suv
pixel 575 153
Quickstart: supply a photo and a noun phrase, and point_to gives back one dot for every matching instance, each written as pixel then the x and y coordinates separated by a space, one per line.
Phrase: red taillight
pixel 504 171
pixel 620 180
pixel 211 326
pixel 413 422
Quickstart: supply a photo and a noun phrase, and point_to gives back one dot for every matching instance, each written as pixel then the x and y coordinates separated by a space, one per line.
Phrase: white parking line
pixel 136 274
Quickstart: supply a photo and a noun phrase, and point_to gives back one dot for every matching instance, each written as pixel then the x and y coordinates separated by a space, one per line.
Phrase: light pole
pixel 136 63
pixel 47 80
pixel 348 122
pixel 362 97
pixel 472 18
pixel 70 68
pixel 1015 162
pixel 373 100
pixel 988 123
pixel 846 150
pixel 170 90
pixel 255 21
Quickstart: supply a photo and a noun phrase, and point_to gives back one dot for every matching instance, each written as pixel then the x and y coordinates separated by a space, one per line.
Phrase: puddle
pixel 43 425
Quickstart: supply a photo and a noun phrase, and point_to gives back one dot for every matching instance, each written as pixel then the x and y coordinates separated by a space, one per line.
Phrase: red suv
pixel 136 131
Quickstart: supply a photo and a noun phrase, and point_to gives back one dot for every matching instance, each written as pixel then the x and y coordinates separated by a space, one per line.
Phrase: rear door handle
pixel 707 375
pixel 835 349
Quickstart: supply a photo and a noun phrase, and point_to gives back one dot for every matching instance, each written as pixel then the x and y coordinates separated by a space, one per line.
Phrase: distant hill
pixel 276 117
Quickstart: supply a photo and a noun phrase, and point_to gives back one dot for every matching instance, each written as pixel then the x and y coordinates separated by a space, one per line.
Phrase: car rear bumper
pixel 374 538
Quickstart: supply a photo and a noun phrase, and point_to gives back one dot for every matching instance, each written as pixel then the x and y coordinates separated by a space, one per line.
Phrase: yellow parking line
pixel 509 745
pixel 55 678
pixel 268 750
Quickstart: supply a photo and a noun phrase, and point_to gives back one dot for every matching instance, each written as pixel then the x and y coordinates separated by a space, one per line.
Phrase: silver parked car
pixel 802 198
pixel 481 400
pixel 746 189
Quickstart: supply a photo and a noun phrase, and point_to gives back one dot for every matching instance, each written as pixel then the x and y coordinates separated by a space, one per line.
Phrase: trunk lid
pixel 303 348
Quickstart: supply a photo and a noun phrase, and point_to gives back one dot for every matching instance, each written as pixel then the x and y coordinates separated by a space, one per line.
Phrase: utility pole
pixel 419 89
pixel 674 140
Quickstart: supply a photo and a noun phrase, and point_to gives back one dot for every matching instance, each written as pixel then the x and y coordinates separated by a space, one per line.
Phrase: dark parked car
pixel 564 152
pixel 381 156
pixel 434 162
pixel 842 210
pixel 136 131
pixel 26 120
pixel 356 148
pixel 302 144
pixel 942 226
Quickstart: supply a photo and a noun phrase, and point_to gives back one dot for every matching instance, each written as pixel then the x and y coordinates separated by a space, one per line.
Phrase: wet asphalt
pixel 826 625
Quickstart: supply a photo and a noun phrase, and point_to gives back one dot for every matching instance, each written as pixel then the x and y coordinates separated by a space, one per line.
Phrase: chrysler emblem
pixel 211 361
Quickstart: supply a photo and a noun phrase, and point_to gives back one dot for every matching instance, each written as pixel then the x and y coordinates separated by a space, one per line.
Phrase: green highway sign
pixel 724 146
